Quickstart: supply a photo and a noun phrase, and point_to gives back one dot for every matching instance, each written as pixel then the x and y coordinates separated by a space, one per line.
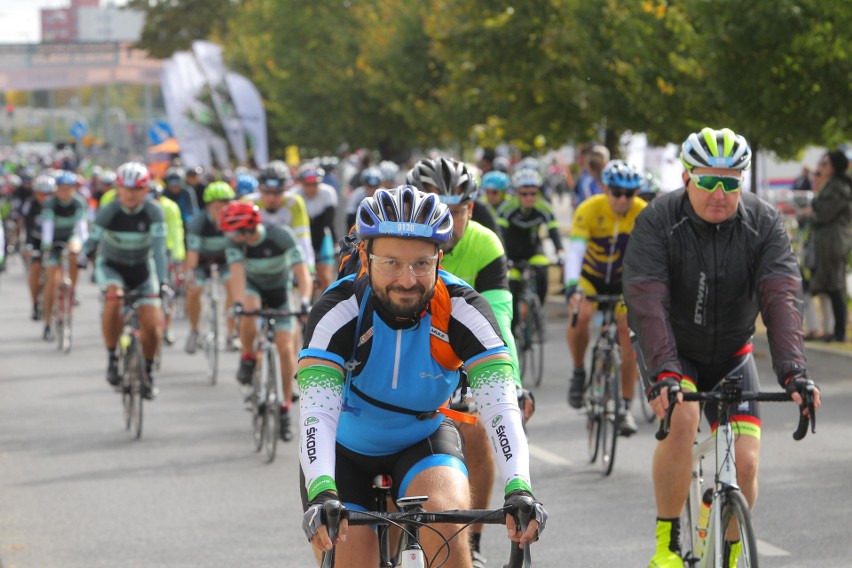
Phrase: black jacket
pixel 694 288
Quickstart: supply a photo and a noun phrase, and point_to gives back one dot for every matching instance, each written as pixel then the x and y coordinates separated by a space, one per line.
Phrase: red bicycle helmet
pixel 239 215
pixel 134 175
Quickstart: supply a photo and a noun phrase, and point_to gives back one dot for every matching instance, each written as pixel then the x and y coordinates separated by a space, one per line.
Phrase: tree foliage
pixel 172 25
pixel 397 74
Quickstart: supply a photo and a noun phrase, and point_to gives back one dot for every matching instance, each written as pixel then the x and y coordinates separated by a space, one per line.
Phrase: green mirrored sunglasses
pixel 709 183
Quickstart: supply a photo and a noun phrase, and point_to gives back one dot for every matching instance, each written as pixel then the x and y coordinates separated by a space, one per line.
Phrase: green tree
pixel 172 25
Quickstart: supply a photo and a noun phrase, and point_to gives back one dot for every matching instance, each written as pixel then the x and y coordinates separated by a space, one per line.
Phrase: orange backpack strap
pixel 439 340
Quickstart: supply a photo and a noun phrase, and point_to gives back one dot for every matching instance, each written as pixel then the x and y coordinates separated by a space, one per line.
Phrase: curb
pixel 557 309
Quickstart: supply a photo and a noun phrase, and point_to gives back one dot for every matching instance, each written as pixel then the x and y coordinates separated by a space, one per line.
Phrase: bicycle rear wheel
pixel 610 401
pixel 736 518
pixel 272 422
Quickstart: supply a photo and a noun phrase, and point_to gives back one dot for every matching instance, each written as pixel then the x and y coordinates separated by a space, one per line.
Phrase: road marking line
pixel 766 549
pixel 547 456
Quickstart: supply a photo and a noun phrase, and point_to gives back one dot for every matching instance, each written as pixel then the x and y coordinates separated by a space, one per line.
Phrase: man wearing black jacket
pixel 701 263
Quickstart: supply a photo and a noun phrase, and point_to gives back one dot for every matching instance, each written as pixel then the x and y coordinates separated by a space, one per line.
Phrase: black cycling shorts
pixel 354 473
pixel 708 377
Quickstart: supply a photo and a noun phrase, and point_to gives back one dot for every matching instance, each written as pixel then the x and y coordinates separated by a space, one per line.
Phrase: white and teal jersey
pixel 61 219
pixel 205 238
pixel 126 238
pixel 269 262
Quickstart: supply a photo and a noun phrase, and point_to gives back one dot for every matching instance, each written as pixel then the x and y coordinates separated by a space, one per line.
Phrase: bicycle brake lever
pixel 810 417
pixel 665 423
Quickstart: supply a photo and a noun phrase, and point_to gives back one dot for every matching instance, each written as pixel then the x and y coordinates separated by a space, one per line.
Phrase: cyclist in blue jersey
pixel 380 361
pixel 177 191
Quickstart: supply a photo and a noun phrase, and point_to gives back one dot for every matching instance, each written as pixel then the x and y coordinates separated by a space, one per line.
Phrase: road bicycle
pixel 176 306
pixel 531 333
pixel 211 327
pixel 134 377
pixel 410 519
pixel 602 391
pixel 266 393
pixel 710 546
pixel 64 303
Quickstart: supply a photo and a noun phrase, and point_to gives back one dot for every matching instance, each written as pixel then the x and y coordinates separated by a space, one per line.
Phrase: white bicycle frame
pixel 723 445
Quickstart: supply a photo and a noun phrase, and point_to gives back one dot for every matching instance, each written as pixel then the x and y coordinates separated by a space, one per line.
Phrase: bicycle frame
pixel 726 489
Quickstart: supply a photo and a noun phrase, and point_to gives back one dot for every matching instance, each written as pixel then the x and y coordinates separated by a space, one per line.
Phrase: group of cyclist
pixel 425 317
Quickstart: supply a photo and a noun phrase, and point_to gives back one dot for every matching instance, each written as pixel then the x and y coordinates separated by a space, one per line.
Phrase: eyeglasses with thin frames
pixel 394 267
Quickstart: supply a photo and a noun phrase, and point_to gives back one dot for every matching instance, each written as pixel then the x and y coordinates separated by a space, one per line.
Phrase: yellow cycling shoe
pixel 666 556
pixel 666 559
pixel 735 548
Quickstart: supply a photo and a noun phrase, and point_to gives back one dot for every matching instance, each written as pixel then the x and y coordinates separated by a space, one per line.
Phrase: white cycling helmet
pixel 133 174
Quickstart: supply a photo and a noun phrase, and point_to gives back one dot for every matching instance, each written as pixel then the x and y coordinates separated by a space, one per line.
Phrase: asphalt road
pixel 77 491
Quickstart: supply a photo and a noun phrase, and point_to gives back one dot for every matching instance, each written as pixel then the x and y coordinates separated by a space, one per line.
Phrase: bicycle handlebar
pixel 270 313
pixel 742 396
pixel 334 512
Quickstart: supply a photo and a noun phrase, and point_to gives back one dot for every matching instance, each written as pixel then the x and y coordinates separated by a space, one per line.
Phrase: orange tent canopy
pixel 169 146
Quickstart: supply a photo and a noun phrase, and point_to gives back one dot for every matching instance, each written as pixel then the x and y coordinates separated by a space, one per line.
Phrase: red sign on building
pixel 58 25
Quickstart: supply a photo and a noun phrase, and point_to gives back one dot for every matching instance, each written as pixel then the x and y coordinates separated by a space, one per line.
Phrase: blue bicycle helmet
pixel 619 173
pixel 246 183
pixel 66 178
pixel 404 212
pixel 371 176
pixel 496 180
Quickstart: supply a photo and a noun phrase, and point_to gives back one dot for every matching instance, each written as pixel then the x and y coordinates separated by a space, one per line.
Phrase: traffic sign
pixel 78 129
pixel 159 132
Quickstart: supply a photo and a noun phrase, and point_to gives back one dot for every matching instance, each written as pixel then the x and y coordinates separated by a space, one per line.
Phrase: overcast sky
pixel 21 21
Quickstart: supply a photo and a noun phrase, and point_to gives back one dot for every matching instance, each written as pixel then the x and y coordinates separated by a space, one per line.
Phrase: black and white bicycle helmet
pixel 455 183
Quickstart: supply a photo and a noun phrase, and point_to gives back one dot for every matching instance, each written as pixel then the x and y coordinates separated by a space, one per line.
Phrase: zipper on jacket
pixel 395 381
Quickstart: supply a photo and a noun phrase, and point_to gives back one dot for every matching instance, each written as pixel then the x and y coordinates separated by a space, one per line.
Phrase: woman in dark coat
pixel 832 233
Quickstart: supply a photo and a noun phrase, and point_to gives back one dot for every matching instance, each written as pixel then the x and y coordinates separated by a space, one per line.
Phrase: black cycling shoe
pixel 148 390
pixel 286 431
pixel 113 377
pixel 576 388
pixel 246 371
pixel 48 333
pixel 36 315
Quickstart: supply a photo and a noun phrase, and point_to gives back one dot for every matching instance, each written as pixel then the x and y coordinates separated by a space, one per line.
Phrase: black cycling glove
pixel 315 515
pixel 664 380
pixel 521 499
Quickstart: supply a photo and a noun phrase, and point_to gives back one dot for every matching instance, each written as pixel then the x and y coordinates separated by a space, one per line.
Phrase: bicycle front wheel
pixel 134 377
pixel 610 402
pixel 593 405
pixel 272 422
pixel 535 346
pixel 258 408
pixel 211 344
pixel 738 542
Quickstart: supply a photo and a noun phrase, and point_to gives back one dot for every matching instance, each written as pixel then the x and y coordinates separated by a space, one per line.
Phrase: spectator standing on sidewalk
pixel 832 234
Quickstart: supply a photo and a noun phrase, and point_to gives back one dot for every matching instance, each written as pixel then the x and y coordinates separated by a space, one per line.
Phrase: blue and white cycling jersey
pixel 394 363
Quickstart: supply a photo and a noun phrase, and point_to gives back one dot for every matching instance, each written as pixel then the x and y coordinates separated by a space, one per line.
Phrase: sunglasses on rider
pixel 618 192
pixel 527 193
pixel 709 183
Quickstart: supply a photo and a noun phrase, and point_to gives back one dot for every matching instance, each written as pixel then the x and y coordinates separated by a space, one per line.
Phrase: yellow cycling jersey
pixel 605 234
pixel 174 224
pixel 292 213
